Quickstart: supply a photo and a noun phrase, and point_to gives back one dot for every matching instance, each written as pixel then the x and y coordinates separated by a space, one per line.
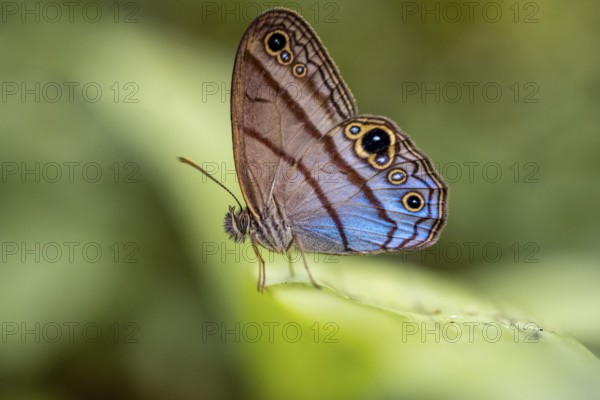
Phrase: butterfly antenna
pixel 199 168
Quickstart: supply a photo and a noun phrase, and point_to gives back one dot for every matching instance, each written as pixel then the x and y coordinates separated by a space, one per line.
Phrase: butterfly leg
pixel 290 263
pixel 312 280
pixel 262 276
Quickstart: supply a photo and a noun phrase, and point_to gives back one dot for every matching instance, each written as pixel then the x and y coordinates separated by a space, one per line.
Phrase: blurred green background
pixel 117 279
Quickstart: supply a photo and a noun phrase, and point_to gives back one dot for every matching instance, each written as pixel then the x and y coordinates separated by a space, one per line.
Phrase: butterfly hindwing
pixel 398 203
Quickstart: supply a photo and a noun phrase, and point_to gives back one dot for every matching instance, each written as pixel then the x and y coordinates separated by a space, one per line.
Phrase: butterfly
pixel 314 174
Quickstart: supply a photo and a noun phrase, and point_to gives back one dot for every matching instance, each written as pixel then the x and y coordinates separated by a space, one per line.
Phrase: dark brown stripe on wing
pixel 328 64
pixel 334 112
pixel 327 102
pixel 437 225
pixel 330 147
pixel 441 198
pixel 309 179
pixel 414 235
pixel 434 229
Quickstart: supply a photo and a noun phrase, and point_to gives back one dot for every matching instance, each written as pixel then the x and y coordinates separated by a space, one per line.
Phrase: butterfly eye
pixel 397 176
pixel 243 222
pixel 413 201
pixel 376 141
pixel 276 41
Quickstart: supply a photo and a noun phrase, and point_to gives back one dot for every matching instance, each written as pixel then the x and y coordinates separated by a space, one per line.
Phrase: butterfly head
pixel 237 224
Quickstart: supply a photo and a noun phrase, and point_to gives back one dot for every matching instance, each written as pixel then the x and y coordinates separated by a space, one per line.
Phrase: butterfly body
pixel 270 231
pixel 313 172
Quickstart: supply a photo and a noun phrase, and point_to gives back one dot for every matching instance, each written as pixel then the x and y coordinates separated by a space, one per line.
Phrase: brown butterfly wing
pixel 286 94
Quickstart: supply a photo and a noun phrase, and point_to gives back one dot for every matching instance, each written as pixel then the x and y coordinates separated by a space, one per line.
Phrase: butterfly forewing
pixel 281 106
